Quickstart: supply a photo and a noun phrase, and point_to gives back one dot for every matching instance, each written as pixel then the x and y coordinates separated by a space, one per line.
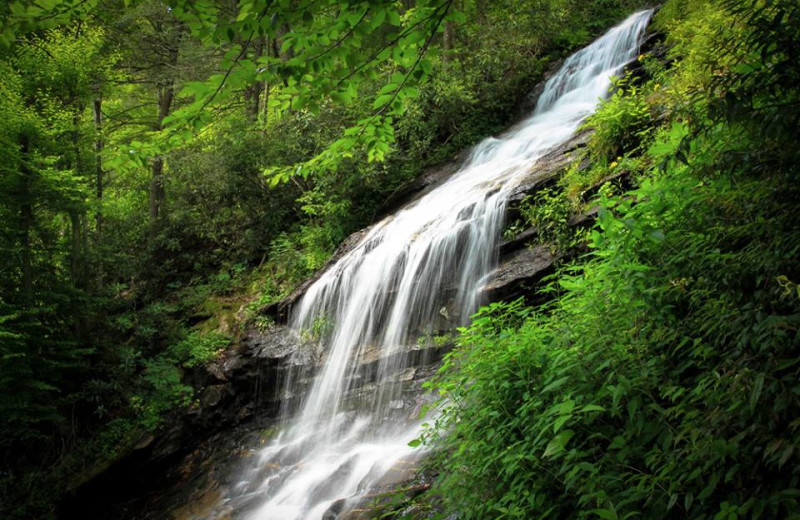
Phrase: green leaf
pixel 758 386
pixel 378 19
pixel 560 422
pixel 688 500
pixel 394 17
pixel 673 499
pixel 381 100
pixel 554 385
pixel 606 514
pixel 558 443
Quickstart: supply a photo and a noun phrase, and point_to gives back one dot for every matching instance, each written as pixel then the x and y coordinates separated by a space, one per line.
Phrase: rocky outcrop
pixel 519 273
pixel 546 170
pixel 199 454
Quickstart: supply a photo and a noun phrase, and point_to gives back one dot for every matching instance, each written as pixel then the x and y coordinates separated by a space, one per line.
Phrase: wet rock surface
pixel 185 470
pixel 545 171
pixel 519 273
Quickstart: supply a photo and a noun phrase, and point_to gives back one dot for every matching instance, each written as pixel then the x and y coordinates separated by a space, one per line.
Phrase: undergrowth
pixel 663 378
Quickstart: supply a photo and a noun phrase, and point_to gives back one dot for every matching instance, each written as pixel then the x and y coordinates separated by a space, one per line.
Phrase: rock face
pixel 239 388
pixel 183 470
pixel 519 273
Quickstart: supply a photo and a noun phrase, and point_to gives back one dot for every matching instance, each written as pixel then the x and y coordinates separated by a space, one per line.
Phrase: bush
pixel 620 123
pixel 663 381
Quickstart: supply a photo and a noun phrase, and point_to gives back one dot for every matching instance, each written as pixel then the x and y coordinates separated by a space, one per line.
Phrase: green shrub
pixel 663 382
pixel 199 348
pixel 621 122
pixel 655 387
pixel 549 210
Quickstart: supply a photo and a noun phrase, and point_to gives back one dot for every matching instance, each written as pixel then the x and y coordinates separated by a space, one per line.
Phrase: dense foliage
pixel 169 168
pixel 663 378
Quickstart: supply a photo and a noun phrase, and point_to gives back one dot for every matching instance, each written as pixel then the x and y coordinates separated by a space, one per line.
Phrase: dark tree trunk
pixel 26 221
pixel 277 42
pixel 76 214
pixel 98 160
pixel 76 270
pixel 252 94
pixel 447 43
pixel 166 93
pixel 157 190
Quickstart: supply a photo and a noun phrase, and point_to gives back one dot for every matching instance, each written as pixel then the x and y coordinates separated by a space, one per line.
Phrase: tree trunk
pixel 277 42
pixel 26 222
pixel 480 9
pixel 77 250
pixel 75 214
pixel 98 161
pixel 157 190
pixel 252 94
pixel 75 247
pixel 166 94
pixel 76 270
pixel 447 43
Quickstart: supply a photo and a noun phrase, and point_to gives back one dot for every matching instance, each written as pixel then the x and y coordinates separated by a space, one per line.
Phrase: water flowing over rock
pixel 417 273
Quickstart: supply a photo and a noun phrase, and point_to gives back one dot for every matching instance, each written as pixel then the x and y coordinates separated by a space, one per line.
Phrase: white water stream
pixel 420 265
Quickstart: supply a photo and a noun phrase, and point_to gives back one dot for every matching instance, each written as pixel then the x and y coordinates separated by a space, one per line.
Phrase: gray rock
pixel 523 268
pixel 212 395
pixel 548 168
pixel 277 343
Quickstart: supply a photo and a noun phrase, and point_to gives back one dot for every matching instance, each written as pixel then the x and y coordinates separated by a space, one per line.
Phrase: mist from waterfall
pixel 414 273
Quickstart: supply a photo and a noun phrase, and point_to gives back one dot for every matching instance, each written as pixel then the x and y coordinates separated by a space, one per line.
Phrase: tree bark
pixel 98 161
pixel 157 190
pixel 447 43
pixel 76 270
pixel 26 221
pixel 277 42
pixel 166 93
pixel 77 253
pixel 252 94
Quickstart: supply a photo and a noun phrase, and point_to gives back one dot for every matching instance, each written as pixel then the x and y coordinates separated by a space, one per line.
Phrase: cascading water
pixel 423 263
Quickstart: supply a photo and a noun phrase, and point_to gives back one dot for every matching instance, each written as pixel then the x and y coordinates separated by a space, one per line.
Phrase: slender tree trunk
pixel 277 42
pixel 26 222
pixel 480 9
pixel 166 94
pixel 157 190
pixel 449 36
pixel 98 161
pixel 75 215
pixel 447 43
pixel 75 245
pixel 252 95
pixel 76 271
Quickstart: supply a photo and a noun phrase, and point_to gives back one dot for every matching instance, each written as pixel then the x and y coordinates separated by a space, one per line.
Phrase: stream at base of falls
pixel 412 276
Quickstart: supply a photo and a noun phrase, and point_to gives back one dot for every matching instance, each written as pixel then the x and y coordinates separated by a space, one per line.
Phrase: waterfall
pixel 410 272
